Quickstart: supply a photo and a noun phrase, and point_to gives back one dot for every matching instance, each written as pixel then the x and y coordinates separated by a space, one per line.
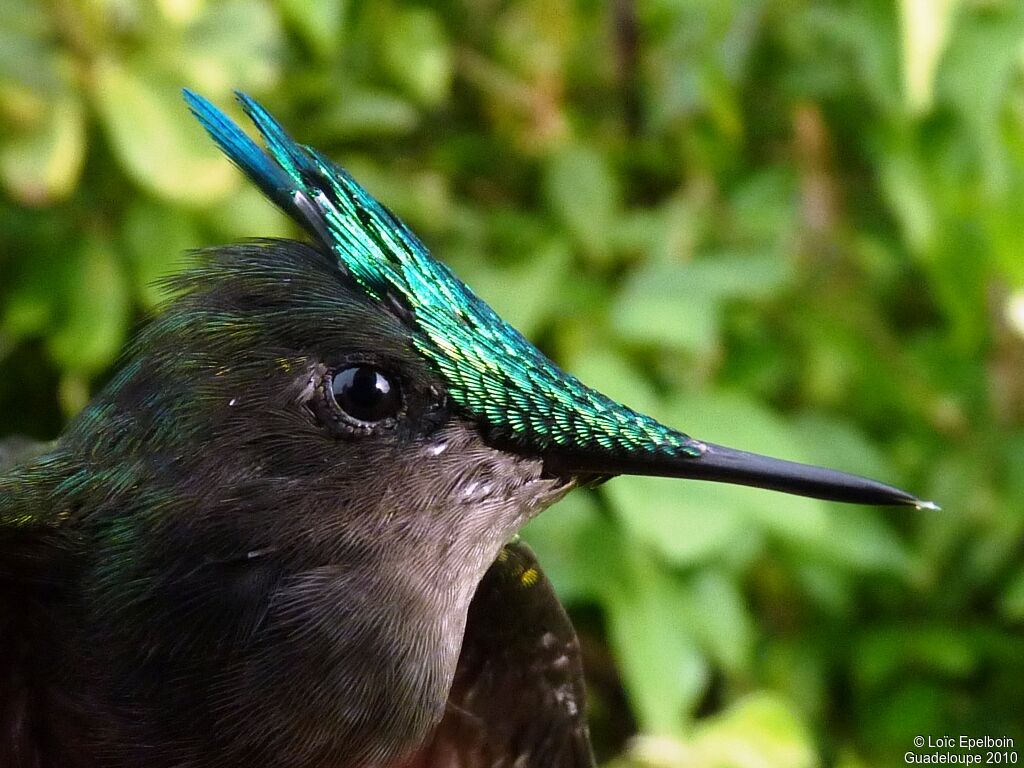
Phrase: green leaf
pixel 906 185
pixel 926 26
pixel 887 651
pixel 678 305
pixel 246 214
pixel 574 543
pixel 534 38
pixel 1012 601
pixel 417 54
pixel 687 526
pixel 231 45
pixel 759 731
pixel 362 112
pixel 32 304
pixel 765 207
pixel 982 61
pixel 94 314
pixel 524 294
pixel 29 62
pixel 860 538
pixel 43 166
pixel 582 191
pixel 320 22
pixel 155 140
pixel 721 620
pixel 909 707
pixel 664 672
pixel 157 239
pixel 849 759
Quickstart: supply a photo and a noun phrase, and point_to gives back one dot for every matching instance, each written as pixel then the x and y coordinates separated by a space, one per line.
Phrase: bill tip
pixel 929 505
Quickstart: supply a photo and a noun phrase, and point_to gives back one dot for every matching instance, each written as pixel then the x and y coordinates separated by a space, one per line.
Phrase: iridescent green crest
pixel 491 371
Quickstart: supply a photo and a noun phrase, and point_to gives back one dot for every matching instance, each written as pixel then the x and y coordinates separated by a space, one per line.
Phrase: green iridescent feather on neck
pixel 490 370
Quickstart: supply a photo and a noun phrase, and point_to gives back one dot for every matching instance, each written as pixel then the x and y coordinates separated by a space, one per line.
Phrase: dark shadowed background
pixel 794 227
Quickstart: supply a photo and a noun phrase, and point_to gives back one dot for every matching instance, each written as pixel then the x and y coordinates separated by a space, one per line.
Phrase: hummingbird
pixel 284 533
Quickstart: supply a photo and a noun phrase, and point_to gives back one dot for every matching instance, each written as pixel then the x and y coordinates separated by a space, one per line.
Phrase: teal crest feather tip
pixel 491 370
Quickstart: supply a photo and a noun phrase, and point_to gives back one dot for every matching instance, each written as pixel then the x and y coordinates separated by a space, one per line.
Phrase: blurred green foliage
pixel 791 226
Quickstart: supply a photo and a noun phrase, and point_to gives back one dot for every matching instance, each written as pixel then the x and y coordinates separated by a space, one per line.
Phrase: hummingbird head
pixel 517 398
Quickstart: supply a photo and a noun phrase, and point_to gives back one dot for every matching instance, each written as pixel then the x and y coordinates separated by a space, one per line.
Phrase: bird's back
pixel 32 580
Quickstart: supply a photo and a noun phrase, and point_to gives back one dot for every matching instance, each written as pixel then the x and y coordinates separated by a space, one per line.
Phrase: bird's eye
pixel 366 393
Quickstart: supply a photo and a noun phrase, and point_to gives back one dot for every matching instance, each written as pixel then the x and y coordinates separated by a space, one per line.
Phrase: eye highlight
pixel 366 394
